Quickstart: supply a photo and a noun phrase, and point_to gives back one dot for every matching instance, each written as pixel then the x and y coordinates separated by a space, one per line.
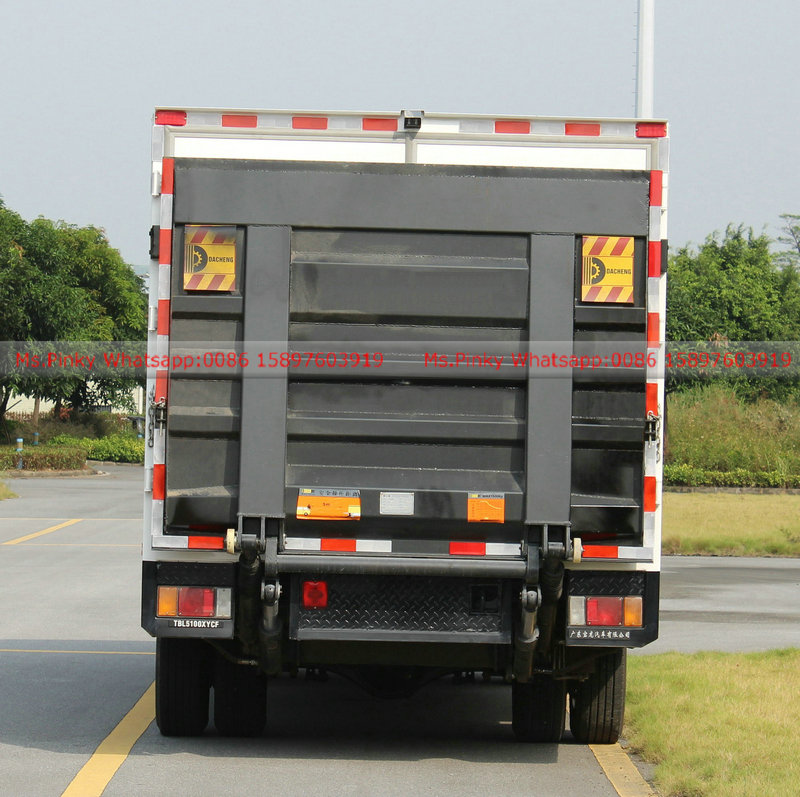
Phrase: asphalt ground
pixel 74 662
pixel 730 604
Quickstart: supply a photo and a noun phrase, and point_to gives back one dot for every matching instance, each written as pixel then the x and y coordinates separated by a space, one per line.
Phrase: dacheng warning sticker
pixel 486 508
pixel 607 273
pixel 209 258
pixel 322 504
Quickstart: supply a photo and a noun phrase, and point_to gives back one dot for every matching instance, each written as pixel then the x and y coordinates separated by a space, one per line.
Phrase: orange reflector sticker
pixel 486 508
pixel 315 504
pixel 607 269
pixel 209 258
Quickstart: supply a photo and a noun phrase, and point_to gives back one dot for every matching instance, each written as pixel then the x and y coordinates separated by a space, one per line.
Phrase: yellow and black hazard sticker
pixel 321 504
pixel 607 273
pixel 209 259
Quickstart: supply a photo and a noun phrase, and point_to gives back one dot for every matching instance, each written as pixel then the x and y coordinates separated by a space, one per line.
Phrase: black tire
pixel 597 705
pixel 240 698
pixel 538 709
pixel 183 680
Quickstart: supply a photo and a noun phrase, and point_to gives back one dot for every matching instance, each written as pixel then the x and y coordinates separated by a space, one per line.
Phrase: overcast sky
pixel 81 79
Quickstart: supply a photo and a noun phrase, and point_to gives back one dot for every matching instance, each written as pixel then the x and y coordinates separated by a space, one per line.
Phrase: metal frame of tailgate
pixel 463 138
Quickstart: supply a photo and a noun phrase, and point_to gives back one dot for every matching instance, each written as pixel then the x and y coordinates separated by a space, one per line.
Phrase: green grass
pixel 5 492
pixel 731 524
pixel 712 429
pixel 717 724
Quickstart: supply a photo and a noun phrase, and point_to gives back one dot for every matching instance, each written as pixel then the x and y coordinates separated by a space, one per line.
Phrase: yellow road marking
pixel 97 772
pixel 93 652
pixel 18 540
pixel 621 771
pixel 82 545
pixel 48 517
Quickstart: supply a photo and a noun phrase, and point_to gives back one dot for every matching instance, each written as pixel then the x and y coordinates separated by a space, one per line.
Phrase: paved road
pixel 73 593
pixel 729 604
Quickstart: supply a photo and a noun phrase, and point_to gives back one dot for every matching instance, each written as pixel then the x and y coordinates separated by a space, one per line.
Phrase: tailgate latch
pixel 157 415
pixel 652 432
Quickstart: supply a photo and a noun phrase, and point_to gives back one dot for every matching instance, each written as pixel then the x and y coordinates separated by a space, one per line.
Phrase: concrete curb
pixel 93 468
pixel 51 474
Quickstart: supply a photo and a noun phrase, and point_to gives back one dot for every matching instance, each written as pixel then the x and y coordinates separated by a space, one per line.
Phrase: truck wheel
pixel 183 678
pixel 538 709
pixel 597 705
pixel 240 698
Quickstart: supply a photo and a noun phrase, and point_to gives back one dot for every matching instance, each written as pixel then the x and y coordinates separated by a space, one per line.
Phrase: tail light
pixel 609 612
pixel 604 611
pixel 194 602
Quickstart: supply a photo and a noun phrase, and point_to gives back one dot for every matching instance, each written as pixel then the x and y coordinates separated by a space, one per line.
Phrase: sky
pixel 81 80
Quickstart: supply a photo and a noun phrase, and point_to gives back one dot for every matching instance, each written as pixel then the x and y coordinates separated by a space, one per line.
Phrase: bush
pixel 69 440
pixel 114 448
pixel 100 424
pixel 44 458
pixel 76 425
pixel 713 429
pixel 689 476
pixel 117 448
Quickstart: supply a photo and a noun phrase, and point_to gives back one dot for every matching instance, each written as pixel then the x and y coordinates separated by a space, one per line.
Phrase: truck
pixel 405 390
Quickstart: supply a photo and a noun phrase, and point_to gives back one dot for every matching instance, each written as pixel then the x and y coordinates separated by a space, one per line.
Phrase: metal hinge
pixel 157 415
pixel 652 432
pixel 155 239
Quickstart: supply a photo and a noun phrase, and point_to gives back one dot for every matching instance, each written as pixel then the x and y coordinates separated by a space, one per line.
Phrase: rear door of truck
pixel 360 328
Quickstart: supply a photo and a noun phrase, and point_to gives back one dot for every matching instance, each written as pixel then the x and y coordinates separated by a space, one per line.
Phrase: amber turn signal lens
pixel 633 612
pixel 167 602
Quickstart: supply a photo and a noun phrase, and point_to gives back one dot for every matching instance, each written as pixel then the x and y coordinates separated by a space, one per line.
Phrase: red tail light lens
pixel 196 602
pixel 315 594
pixel 604 611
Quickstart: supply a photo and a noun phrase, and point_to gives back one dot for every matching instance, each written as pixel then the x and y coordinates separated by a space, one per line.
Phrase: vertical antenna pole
pixel 645 72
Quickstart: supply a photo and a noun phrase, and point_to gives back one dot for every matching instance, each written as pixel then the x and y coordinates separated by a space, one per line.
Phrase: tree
pixel 733 289
pixel 788 263
pixel 59 282
pixel 113 293
pixel 39 302
pixel 790 238
pixel 729 289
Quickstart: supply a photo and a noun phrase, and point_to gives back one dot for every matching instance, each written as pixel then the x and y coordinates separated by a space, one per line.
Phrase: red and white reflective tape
pixel 616 553
pixel 335 544
pixel 453 548
pixel 656 335
pixel 485 549
pixel 188 542
pixel 654 381
pixel 158 341
pixel 622 144
pixel 432 123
